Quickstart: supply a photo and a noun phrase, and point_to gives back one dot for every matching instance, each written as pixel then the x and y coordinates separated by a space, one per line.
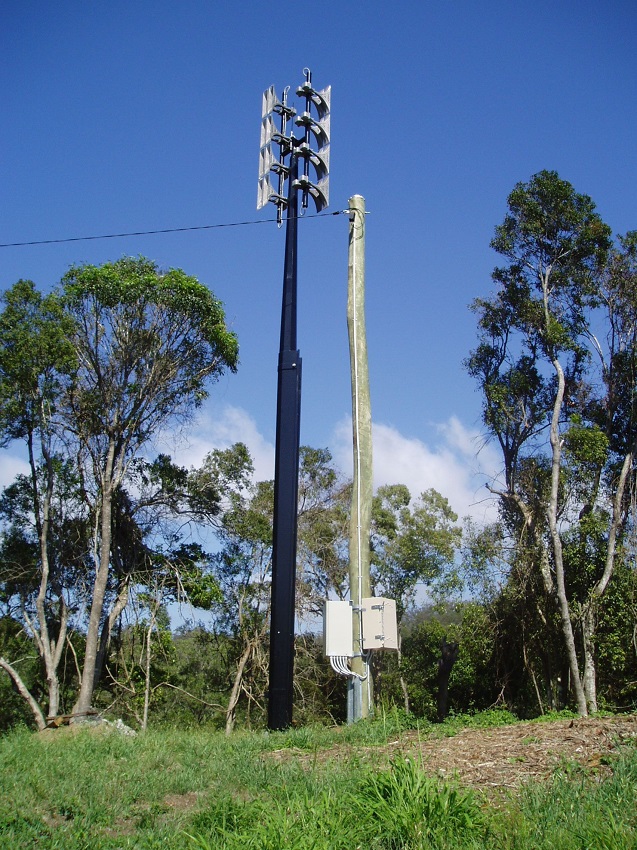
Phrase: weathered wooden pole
pixel 359 697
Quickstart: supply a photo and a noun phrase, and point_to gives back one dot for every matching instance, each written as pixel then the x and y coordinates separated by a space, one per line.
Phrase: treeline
pixel 102 540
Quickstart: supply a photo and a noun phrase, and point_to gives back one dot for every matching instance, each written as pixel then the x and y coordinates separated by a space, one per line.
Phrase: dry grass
pixel 500 758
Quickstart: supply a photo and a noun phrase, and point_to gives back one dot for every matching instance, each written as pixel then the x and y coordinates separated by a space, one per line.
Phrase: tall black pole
pixel 286 483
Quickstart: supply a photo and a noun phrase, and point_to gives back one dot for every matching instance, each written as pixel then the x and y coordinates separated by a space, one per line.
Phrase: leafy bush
pixel 472 681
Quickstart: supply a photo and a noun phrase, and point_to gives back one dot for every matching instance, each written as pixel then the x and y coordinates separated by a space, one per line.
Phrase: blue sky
pixel 129 116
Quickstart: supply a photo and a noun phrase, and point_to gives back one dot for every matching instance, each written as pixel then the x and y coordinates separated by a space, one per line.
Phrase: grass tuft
pixel 411 809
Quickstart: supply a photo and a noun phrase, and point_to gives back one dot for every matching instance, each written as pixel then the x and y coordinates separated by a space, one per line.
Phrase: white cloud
pixel 457 467
pixel 189 447
pixel 230 425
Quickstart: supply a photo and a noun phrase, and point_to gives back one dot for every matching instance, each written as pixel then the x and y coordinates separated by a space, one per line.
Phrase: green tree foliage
pixel 92 374
pixel 36 358
pixel 14 644
pixel 555 366
pixel 616 641
pixel 412 543
pixel 244 572
pixel 323 528
pixel 36 361
pixel 473 684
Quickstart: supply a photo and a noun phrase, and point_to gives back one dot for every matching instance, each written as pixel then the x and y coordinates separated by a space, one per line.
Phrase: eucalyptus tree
pixel 244 573
pixel 555 364
pixel 180 574
pixel 413 542
pixel 147 344
pixel 92 374
pixel 323 530
pixel 244 560
pixel 36 363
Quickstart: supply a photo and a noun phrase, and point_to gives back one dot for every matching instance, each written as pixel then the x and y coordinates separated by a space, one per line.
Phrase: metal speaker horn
pixel 320 191
pixel 269 101
pixel 268 129
pixel 266 160
pixel 320 129
pixel 320 99
pixel 320 161
pixel 264 191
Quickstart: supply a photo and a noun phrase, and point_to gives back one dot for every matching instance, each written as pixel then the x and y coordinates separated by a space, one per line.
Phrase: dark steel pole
pixel 286 483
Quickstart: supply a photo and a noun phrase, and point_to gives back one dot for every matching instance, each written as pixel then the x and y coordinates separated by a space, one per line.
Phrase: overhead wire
pixel 155 232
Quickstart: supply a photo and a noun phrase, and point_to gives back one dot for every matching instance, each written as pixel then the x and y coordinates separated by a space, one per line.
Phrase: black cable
pixel 153 232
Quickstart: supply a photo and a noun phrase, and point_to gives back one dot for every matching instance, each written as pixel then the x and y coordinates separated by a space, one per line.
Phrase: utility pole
pixel 353 629
pixel 359 696
pixel 292 167
pixel 286 486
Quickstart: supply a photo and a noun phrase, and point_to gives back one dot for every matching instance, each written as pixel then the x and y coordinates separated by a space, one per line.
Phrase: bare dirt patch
pixel 508 756
pixel 504 757
pixel 182 802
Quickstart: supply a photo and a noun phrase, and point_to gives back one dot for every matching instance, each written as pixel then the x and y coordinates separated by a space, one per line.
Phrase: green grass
pixel 197 789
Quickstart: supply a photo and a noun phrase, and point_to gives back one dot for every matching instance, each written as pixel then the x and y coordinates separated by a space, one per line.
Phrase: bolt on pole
pixel 292 167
